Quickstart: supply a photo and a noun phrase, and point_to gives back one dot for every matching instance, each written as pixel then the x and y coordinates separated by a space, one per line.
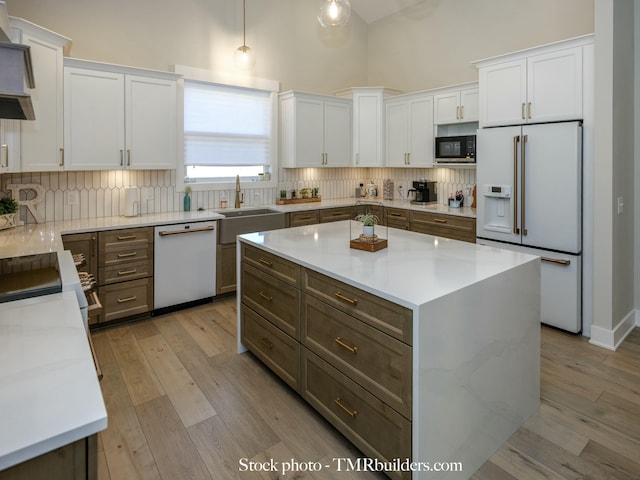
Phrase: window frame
pixel 232 80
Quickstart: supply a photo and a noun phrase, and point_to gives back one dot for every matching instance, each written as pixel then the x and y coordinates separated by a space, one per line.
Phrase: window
pixel 228 131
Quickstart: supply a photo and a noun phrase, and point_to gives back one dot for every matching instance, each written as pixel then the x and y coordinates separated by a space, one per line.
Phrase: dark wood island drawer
pixel 379 431
pixel 272 264
pixel 274 348
pixel 382 314
pixel 275 300
pixel 378 362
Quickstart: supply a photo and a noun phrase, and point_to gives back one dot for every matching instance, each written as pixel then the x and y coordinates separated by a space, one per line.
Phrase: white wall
pixel 613 172
pixel 432 44
pixel 289 43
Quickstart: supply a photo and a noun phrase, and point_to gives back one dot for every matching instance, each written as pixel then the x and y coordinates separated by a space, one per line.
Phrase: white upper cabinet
pixel 315 130
pixel 369 124
pixel 456 106
pixel 118 117
pixel 409 131
pixel 9 146
pixel 537 85
pixel 41 140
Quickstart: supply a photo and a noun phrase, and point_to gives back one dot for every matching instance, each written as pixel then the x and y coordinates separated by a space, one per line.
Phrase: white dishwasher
pixel 184 263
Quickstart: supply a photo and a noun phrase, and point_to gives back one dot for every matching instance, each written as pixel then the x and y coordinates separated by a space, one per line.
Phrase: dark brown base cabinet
pixel 345 351
pixel 75 461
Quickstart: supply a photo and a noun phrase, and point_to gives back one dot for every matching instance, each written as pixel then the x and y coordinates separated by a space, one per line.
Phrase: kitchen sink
pixel 246 221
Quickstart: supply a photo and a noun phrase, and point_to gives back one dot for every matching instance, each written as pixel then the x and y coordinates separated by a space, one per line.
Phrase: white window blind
pixel 226 125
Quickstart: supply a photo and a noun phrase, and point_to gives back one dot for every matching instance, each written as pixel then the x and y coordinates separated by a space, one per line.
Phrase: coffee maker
pixel 425 192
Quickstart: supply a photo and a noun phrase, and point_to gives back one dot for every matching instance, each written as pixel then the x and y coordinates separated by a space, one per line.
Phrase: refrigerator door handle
pixel 516 139
pixel 557 261
pixel 522 188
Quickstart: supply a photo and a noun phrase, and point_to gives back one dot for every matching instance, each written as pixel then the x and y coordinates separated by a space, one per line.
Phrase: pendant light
pixel 244 57
pixel 334 13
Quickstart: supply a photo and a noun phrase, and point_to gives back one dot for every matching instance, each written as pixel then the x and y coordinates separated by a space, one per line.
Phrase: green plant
pixel 187 190
pixel 283 194
pixel 314 191
pixel 304 192
pixel 367 219
pixel 8 205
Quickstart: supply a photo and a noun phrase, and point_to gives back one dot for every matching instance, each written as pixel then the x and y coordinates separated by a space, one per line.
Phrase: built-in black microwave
pixel 460 149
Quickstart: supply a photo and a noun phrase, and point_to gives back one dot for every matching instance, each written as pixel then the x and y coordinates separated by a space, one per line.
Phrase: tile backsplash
pixel 98 193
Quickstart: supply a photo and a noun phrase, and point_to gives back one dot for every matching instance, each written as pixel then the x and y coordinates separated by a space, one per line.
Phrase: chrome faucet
pixel 239 196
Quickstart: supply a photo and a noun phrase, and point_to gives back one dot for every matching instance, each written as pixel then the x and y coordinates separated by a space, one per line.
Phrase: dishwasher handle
pixel 166 233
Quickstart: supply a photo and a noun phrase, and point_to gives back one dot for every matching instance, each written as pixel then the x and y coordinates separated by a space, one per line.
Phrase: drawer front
pixel 128 236
pixel 298 219
pixel 378 362
pixel 275 300
pixel 123 254
pixel 126 299
pixel 278 267
pixel 451 226
pixel 277 350
pixel 382 314
pixel 335 214
pixel 125 272
pixel 398 218
pixel 368 423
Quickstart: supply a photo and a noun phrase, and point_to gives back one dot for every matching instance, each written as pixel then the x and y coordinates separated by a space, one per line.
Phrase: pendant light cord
pixel 244 23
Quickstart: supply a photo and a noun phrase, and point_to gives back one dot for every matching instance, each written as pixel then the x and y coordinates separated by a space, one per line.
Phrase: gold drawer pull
pixel 128 299
pixel 395 214
pixel 265 262
pixel 439 220
pixel 127 237
pixel 346 346
pixel 351 413
pixel 127 272
pixel 352 301
pixel 266 343
pixel 125 255
pixel 265 296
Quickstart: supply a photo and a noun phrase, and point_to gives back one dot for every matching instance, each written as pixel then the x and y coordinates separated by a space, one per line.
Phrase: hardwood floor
pixel 182 404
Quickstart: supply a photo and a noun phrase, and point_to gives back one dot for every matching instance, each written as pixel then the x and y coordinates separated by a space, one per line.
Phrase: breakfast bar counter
pixel 459 376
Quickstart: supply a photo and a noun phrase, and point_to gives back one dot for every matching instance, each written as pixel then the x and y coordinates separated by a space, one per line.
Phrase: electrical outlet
pixel 73 197
pixel 620 205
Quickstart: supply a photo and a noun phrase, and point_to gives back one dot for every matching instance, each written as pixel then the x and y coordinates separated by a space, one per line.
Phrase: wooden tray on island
pixel 289 201
pixel 368 244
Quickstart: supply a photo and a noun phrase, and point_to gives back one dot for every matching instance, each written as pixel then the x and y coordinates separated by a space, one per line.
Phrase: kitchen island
pixel 427 350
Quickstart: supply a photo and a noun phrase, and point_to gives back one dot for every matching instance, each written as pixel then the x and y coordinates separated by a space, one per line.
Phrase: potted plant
pixel 304 192
pixel 283 194
pixel 369 221
pixel 8 209
pixel 314 192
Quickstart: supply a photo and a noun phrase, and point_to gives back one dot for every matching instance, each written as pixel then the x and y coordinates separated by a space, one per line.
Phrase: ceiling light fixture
pixel 244 57
pixel 334 13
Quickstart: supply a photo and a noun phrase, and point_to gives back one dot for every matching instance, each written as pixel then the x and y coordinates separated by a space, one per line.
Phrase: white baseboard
pixel 611 339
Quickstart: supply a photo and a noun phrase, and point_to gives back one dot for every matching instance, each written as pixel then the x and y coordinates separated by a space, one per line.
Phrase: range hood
pixel 15 69
pixel 15 72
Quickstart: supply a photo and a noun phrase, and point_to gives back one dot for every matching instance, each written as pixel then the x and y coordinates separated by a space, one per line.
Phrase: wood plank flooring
pixel 182 404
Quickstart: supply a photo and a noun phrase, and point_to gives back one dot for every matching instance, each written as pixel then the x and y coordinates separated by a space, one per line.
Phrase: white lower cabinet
pixel 118 117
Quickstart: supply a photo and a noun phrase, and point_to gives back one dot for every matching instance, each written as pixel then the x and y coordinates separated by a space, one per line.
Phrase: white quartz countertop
pixel 49 390
pixel 413 270
pixel 46 237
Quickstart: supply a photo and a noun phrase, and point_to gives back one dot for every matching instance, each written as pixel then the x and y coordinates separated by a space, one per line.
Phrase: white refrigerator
pixel 529 184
